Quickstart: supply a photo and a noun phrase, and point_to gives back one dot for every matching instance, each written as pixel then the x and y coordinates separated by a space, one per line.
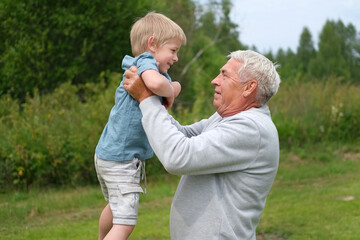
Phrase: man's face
pixel 228 89
pixel 166 54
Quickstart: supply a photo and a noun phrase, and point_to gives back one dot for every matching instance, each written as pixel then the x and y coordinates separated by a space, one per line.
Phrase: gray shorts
pixel 120 184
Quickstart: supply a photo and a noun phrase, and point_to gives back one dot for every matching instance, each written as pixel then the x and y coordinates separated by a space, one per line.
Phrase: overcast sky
pixel 271 24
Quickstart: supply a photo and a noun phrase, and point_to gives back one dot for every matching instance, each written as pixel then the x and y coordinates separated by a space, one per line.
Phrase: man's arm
pixel 225 148
pixel 189 130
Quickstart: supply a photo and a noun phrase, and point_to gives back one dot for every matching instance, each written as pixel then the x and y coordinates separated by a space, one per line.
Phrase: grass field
pixel 316 195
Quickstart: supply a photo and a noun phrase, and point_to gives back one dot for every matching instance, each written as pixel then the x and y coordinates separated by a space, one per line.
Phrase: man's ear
pixel 250 88
pixel 151 44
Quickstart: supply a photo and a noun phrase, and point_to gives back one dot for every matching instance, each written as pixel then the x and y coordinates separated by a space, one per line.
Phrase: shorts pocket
pixel 125 189
pixel 129 197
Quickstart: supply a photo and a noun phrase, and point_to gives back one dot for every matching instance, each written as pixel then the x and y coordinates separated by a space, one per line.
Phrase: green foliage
pixel 330 58
pixel 288 64
pixel 51 140
pixel 313 112
pixel 62 48
pixel 306 50
pixel 338 54
pixel 47 43
pixel 210 38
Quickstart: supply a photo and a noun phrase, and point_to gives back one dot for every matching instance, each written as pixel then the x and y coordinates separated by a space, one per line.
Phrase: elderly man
pixel 229 161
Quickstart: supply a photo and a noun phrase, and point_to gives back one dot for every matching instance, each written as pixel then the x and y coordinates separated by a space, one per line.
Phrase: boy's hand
pixel 168 102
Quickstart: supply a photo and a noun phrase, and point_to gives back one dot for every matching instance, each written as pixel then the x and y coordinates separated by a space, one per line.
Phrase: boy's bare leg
pixel 108 231
pixel 105 222
pixel 119 232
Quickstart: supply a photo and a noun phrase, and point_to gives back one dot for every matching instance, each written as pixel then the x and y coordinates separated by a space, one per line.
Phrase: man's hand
pixel 135 86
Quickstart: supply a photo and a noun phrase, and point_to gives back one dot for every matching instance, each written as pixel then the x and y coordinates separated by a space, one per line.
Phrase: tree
pixel 212 36
pixel 305 50
pixel 330 58
pixel 46 43
pixel 288 64
pixel 350 48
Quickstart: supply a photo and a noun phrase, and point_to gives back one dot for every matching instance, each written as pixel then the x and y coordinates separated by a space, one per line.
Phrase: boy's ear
pixel 151 44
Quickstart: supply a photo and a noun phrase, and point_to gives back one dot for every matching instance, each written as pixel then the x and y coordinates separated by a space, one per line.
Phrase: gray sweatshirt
pixel 228 166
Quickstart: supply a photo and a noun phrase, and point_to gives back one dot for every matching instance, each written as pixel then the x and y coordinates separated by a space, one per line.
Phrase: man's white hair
pixel 258 67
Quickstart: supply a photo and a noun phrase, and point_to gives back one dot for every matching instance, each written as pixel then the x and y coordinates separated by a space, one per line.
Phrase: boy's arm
pixel 157 83
pixel 177 88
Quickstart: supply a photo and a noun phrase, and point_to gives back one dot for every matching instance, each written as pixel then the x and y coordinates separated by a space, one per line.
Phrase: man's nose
pixel 215 81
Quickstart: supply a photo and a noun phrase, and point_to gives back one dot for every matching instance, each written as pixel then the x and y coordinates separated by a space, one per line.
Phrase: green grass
pixel 73 213
pixel 314 198
pixel 316 195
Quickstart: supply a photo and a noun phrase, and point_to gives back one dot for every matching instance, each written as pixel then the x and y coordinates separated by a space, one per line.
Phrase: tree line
pixel 337 54
pixel 60 66
pixel 46 43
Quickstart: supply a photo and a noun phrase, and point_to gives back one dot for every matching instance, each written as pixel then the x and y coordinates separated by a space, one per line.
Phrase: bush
pixel 51 139
pixel 313 112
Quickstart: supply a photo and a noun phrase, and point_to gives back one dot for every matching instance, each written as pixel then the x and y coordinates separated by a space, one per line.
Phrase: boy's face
pixel 166 54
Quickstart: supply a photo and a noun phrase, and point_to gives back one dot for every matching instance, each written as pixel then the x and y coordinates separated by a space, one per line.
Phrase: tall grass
pixel 50 139
pixel 315 112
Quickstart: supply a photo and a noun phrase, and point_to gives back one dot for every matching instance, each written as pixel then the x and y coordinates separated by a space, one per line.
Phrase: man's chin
pixel 215 105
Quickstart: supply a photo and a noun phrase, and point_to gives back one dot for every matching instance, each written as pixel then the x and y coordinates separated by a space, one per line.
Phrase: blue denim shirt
pixel 123 137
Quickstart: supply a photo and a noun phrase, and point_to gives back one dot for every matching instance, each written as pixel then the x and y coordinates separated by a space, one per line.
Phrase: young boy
pixel 123 145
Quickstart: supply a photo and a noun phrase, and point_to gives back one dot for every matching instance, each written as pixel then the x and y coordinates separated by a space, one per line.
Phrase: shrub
pixel 313 112
pixel 51 139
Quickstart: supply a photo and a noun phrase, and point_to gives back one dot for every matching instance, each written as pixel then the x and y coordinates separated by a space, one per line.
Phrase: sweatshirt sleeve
pixel 190 130
pixel 230 146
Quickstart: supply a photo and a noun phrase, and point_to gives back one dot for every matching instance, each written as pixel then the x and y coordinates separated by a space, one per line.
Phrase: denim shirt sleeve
pixel 145 62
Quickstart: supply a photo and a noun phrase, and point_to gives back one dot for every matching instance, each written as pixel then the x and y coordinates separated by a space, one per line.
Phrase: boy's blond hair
pixel 157 25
